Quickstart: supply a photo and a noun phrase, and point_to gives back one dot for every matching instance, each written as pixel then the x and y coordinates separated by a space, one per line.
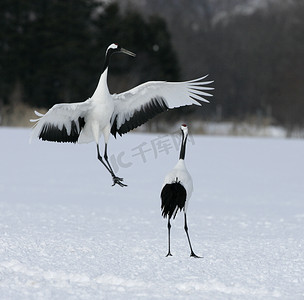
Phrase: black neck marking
pixel 108 56
pixel 183 146
pixel 106 63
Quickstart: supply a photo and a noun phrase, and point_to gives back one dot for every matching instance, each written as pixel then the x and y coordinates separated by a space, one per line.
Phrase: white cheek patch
pixel 113 46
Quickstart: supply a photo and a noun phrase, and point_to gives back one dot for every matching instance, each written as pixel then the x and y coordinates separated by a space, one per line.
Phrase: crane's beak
pixel 127 52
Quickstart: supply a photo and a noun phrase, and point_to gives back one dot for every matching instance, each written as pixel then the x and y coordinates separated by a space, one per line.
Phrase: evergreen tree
pixel 55 49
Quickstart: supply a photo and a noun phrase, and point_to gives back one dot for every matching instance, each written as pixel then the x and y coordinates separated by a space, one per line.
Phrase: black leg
pixel 105 156
pixel 101 160
pixel 169 227
pixel 186 229
pixel 116 180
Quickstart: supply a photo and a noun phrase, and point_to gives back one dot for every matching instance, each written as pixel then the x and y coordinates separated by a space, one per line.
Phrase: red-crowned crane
pixel 177 190
pixel 106 113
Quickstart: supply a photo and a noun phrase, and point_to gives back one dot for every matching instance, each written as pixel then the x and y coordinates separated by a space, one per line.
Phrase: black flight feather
pixel 173 197
pixel 52 133
pixel 141 116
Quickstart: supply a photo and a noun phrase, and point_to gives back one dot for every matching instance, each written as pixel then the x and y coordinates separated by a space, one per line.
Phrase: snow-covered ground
pixel 66 233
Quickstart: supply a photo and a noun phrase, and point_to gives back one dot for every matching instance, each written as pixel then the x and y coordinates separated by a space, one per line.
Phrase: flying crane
pixel 106 113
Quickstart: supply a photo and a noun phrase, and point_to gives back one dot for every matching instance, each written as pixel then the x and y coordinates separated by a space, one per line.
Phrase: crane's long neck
pixel 106 63
pixel 183 146
pixel 102 86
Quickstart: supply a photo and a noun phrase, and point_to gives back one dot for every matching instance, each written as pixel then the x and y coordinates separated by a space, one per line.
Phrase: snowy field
pixel 66 233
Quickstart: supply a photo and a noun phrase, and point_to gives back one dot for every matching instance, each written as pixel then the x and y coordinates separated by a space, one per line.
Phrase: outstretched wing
pixel 138 105
pixel 62 123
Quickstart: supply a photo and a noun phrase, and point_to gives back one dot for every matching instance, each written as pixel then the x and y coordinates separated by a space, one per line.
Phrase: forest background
pixel 52 51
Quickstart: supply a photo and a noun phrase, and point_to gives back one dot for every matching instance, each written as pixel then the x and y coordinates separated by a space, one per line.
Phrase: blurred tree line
pixel 53 51
pixel 254 50
pixel 258 62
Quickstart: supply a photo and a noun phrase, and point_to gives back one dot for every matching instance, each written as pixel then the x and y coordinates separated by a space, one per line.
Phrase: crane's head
pixel 184 129
pixel 114 48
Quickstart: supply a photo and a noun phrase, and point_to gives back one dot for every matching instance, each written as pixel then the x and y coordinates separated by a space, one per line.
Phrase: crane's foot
pixel 118 180
pixel 194 255
pixel 169 254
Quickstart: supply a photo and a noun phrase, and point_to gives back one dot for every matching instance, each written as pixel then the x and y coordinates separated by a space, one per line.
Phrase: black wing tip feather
pixel 114 127
pixel 52 133
pixel 154 107
pixel 173 198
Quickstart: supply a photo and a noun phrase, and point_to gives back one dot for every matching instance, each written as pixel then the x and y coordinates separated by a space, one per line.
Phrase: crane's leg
pixel 169 227
pixel 105 156
pixel 186 229
pixel 116 180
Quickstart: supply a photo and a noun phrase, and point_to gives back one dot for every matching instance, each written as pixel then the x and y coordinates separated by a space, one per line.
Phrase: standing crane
pixel 177 190
pixel 106 113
